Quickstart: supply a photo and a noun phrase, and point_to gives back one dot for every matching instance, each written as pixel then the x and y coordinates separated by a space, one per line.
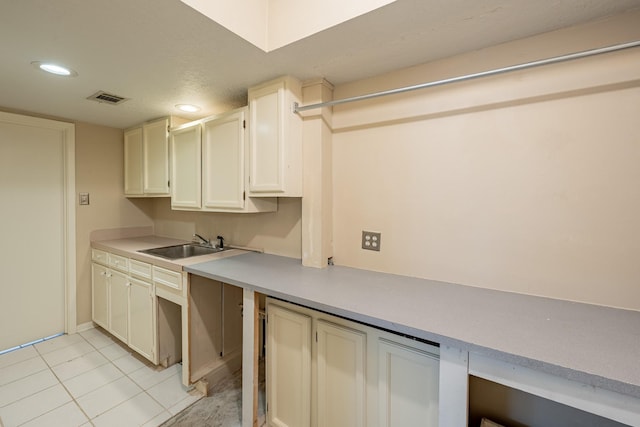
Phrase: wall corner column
pixel 317 203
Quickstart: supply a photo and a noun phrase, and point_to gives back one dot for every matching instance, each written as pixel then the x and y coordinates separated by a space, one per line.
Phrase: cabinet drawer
pixel 119 262
pixel 140 269
pixel 172 279
pixel 99 256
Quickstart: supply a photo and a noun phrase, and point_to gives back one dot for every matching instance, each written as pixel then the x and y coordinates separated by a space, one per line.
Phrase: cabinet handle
pixel 103 273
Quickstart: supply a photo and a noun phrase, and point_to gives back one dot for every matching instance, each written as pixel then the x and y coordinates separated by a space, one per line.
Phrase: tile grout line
pixel 73 399
pixel 38 353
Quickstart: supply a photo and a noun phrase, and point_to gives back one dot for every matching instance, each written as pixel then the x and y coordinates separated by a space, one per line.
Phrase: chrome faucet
pixel 204 241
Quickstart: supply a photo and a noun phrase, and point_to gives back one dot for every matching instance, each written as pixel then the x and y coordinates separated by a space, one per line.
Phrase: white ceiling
pixel 161 52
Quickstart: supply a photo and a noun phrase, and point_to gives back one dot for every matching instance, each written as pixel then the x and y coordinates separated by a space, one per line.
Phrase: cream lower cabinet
pixel 327 371
pixel 340 369
pixel 100 295
pixel 407 385
pixel 119 304
pixel 123 302
pixel 288 369
pixel 141 318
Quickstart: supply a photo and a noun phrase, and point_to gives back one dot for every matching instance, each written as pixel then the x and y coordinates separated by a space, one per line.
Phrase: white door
pixel 37 222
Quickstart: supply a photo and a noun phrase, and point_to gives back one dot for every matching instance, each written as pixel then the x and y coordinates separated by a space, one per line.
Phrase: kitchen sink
pixel 181 251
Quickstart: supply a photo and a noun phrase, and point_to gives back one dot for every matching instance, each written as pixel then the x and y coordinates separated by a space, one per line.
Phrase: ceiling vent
pixel 107 98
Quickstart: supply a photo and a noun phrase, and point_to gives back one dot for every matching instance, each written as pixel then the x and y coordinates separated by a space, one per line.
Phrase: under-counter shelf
pixel 511 407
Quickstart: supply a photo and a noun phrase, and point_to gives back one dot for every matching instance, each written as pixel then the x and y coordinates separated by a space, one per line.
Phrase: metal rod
pixel 298 108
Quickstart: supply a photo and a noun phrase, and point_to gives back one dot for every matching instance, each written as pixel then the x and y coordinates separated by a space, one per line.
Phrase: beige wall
pixel 99 171
pixel 276 233
pixel 525 182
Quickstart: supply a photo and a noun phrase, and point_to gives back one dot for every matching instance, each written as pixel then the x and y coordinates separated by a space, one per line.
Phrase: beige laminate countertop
pixel 129 248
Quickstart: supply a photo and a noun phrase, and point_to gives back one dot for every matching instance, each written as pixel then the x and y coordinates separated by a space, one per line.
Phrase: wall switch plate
pixel 371 241
pixel 84 198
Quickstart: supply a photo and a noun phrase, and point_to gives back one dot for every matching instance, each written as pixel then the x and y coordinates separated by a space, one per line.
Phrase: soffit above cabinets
pixel 159 53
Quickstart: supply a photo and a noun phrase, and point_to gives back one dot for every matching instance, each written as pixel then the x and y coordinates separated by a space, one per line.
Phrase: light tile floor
pixel 87 379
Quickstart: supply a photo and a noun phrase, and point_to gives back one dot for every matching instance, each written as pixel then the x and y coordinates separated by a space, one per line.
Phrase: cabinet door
pixel 407 386
pixel 142 319
pixel 275 139
pixel 118 304
pixel 155 137
pixel 99 295
pixel 223 161
pixel 186 167
pixel 133 175
pixel 288 368
pixel 267 139
pixel 341 376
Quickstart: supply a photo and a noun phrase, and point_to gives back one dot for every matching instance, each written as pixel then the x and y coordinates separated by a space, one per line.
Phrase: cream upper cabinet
pixel 223 148
pixel 186 164
pixel 155 149
pixel 275 139
pixel 341 367
pixel 133 169
pixel 288 368
pixel 146 158
pixel 208 163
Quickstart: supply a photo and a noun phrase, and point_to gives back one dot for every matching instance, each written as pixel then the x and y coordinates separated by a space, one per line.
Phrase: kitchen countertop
pixel 129 247
pixel 594 345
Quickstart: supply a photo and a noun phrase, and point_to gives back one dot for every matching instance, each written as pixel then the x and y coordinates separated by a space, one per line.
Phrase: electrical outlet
pixel 371 241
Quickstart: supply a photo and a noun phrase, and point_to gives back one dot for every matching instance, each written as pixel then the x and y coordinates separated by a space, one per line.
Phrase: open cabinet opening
pixel 215 330
pixel 510 407
pixel 169 332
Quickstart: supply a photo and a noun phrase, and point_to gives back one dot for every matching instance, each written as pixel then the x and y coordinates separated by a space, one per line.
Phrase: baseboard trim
pixel 81 328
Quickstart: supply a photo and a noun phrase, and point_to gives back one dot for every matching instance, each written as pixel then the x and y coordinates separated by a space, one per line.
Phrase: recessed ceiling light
pixel 56 69
pixel 188 108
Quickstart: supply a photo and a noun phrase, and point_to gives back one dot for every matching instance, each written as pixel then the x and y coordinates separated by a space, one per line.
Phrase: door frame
pixel 67 131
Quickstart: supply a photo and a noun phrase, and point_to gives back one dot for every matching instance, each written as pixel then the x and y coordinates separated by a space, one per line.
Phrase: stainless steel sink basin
pixel 181 251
